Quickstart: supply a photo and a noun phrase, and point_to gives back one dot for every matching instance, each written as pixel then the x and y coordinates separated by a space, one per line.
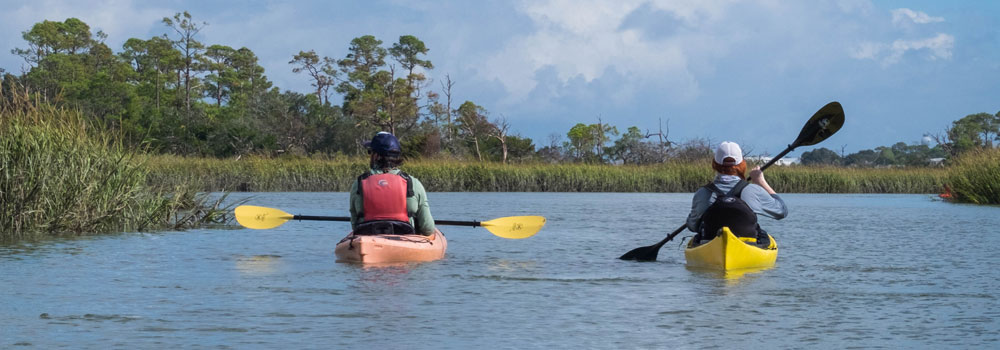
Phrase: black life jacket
pixel 384 197
pixel 728 210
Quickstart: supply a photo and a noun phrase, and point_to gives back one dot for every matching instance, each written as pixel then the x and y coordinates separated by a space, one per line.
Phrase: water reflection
pixel 258 265
pixel 380 276
pixel 731 277
pixel 504 265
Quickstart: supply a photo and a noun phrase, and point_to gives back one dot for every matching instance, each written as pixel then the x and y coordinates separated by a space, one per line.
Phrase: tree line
pixel 176 94
pixel 972 132
pixel 172 93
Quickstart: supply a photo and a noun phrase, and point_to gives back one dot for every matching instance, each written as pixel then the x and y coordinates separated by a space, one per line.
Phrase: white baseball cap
pixel 728 150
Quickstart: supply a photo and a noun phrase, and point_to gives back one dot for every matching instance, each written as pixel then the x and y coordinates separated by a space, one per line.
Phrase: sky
pixel 746 71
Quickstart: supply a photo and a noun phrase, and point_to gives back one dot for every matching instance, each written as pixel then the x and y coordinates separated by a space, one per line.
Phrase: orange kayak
pixel 374 249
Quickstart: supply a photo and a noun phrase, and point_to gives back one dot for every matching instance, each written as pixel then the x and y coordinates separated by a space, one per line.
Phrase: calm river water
pixel 869 271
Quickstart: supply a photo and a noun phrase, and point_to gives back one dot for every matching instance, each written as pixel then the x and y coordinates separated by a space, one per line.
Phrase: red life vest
pixel 384 196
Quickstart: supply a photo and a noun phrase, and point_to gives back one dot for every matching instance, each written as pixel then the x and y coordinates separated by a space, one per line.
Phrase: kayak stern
pixel 728 252
pixel 375 249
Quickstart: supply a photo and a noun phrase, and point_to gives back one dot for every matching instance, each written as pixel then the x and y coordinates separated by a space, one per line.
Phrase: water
pixel 869 271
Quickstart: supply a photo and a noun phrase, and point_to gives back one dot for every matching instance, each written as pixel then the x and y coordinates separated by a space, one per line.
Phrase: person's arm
pixel 423 221
pixel 757 178
pixel 763 203
pixel 778 210
pixel 699 204
pixel 767 200
pixel 355 204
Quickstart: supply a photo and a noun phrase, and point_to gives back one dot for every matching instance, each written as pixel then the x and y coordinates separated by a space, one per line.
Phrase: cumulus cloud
pixel 903 16
pixel 937 47
pixel 585 39
pixel 119 19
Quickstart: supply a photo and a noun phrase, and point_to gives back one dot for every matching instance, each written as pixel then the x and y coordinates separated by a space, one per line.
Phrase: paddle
pixel 513 227
pixel 824 123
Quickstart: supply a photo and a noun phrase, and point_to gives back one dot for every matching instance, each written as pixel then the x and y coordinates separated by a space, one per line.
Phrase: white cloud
pixel 120 19
pixel 584 39
pixel 938 47
pixel 902 16
pixel 867 50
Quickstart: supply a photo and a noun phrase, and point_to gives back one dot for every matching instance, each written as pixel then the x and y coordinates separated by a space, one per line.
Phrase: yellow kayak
pixel 728 252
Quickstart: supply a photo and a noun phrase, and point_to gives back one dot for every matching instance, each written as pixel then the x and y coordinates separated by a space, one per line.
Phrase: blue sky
pixel 745 71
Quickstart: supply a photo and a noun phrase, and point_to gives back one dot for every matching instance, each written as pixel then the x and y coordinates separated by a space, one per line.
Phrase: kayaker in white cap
pixel 742 200
pixel 386 200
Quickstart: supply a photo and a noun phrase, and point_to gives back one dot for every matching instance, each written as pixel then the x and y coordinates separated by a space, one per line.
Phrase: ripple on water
pixel 553 279
pixel 855 271
pixel 91 318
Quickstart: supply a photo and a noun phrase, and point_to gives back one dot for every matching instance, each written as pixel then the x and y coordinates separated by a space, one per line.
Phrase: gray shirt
pixel 756 197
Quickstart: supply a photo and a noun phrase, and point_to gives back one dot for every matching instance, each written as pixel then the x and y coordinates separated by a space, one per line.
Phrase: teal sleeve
pixel 419 207
pixel 355 204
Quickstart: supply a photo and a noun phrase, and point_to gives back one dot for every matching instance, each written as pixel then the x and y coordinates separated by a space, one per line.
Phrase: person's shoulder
pixel 755 189
pixel 416 181
pixel 702 191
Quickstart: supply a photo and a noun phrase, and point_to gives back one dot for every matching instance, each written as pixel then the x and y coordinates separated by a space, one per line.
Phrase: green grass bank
pixel 60 175
pixel 305 174
pixel 975 177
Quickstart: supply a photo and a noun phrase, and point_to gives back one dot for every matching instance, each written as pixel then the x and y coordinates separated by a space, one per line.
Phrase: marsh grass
pixel 975 177
pixel 59 175
pixel 306 174
pixel 800 179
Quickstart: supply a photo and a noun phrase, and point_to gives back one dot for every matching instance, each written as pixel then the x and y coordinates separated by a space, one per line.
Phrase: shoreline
pixel 337 175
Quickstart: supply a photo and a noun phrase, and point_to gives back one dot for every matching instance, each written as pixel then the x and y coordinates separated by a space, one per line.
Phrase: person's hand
pixel 757 177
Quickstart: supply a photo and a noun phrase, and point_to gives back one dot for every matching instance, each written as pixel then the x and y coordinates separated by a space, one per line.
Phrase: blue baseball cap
pixel 384 143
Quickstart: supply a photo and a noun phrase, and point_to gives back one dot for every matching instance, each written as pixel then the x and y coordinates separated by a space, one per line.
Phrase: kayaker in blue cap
pixel 385 200
pixel 741 203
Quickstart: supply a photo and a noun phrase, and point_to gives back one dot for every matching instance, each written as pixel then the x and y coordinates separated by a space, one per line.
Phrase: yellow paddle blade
pixel 261 218
pixel 515 227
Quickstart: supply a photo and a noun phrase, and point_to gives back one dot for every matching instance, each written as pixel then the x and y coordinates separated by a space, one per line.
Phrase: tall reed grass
pixel 305 174
pixel 975 177
pixel 59 175
pixel 802 179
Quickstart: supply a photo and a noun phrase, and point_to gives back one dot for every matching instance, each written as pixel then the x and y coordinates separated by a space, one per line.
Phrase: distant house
pixel 783 161
pixel 935 162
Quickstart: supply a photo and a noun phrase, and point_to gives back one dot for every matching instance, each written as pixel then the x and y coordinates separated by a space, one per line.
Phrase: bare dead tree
pixel 474 122
pixel 446 86
pixel 663 136
pixel 943 140
pixel 600 137
pixel 500 129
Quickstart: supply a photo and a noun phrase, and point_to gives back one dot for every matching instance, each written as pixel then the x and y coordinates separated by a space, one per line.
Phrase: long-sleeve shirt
pixel 756 197
pixel 416 206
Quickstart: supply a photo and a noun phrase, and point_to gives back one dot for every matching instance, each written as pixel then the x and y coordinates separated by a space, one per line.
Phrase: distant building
pixel 935 162
pixel 783 161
